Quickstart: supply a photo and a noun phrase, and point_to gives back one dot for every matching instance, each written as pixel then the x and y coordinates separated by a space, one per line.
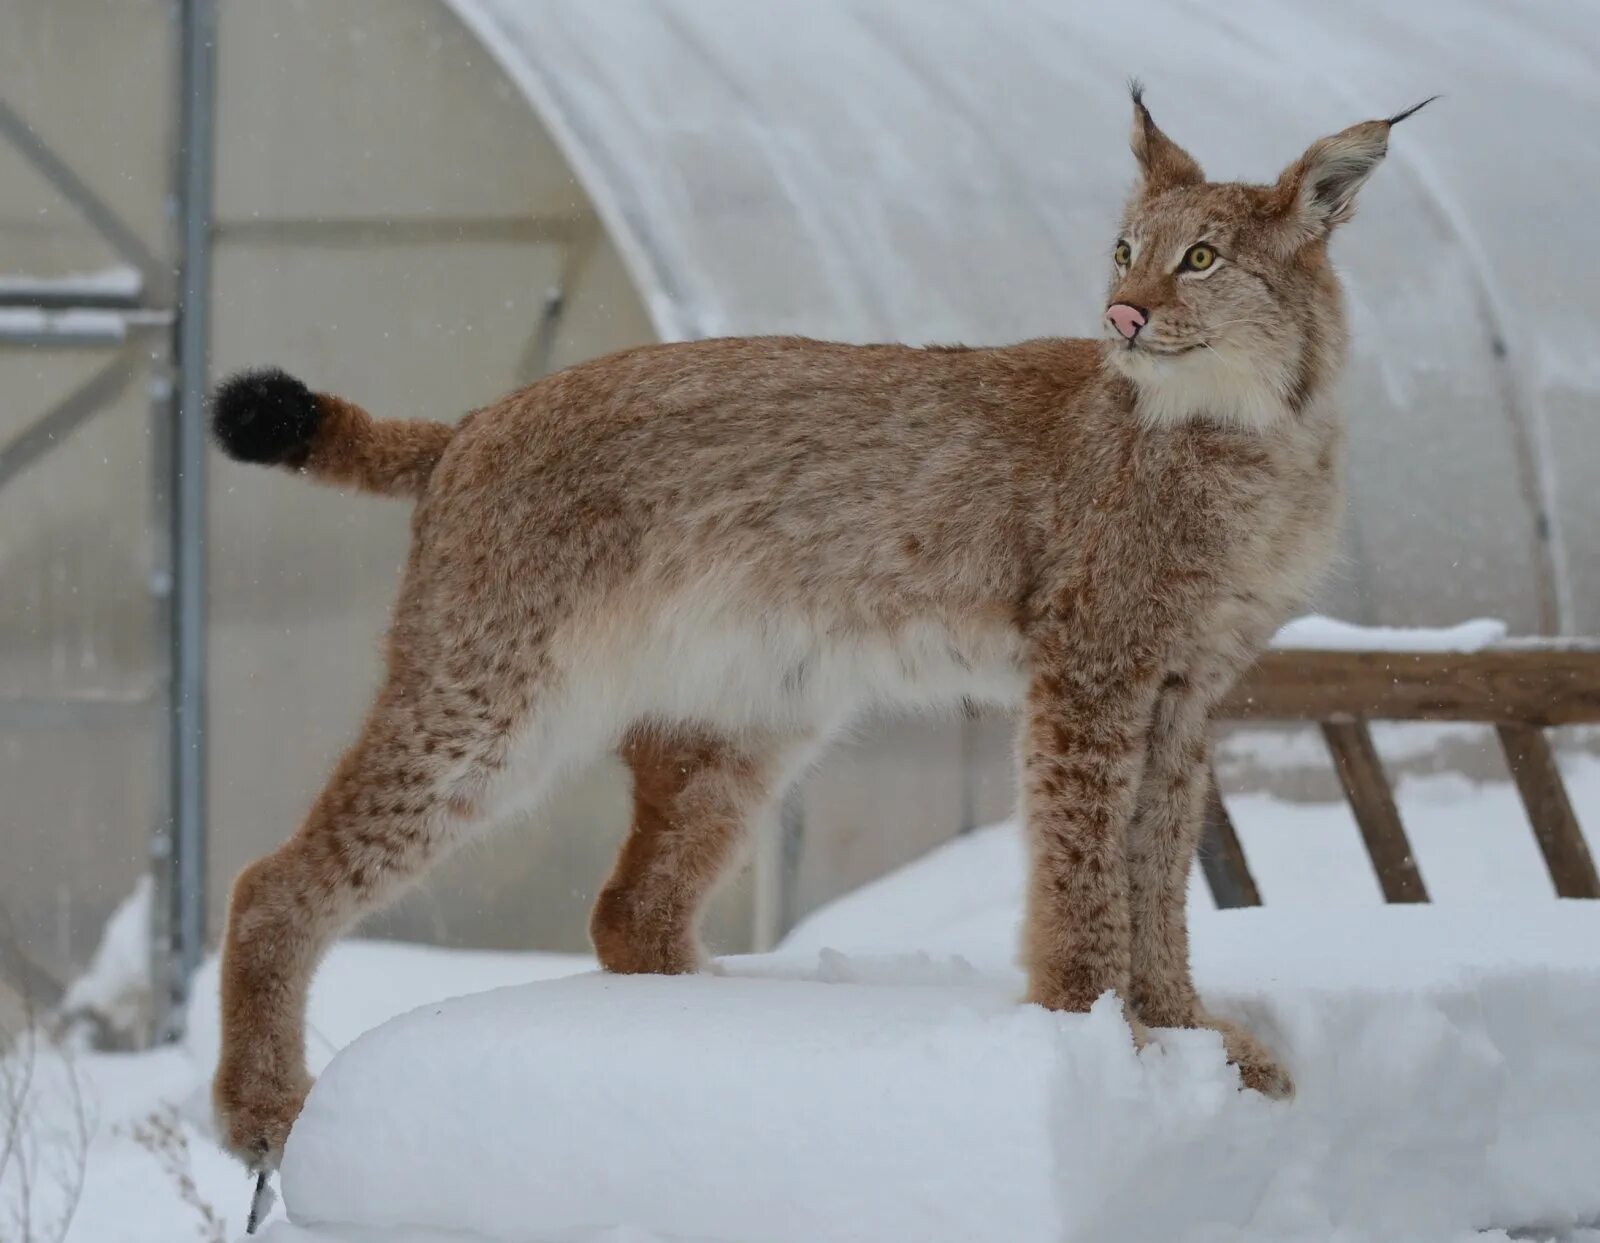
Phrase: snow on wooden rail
pixel 1520 688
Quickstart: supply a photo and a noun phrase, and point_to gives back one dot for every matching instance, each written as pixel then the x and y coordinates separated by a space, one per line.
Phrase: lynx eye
pixel 1122 254
pixel 1199 258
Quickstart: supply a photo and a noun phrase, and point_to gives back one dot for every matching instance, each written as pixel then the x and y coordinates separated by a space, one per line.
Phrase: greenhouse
pixel 498 188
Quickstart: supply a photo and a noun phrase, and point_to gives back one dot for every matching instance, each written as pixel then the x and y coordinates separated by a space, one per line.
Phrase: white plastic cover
pixel 941 170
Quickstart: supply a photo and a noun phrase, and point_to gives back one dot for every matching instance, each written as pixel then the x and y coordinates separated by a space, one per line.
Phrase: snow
pixel 1330 634
pixel 114 992
pixel 93 325
pixel 1443 1058
pixel 877 1078
pixel 1471 840
pixel 693 1107
pixel 118 281
pixel 149 1112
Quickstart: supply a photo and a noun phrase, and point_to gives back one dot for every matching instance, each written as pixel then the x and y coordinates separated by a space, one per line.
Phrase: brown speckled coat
pixel 712 555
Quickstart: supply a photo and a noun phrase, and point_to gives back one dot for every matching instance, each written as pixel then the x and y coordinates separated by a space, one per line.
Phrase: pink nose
pixel 1126 319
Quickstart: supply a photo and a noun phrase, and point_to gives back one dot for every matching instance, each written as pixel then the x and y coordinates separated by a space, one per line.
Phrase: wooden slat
pixel 1367 787
pixel 1222 856
pixel 1512 686
pixel 1555 827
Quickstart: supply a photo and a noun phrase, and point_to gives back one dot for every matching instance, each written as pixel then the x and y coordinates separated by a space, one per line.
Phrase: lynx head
pixel 1222 302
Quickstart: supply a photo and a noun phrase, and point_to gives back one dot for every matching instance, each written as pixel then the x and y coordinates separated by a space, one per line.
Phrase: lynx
pixel 709 556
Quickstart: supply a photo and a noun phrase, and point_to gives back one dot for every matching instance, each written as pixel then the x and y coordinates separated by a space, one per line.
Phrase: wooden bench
pixel 1520 689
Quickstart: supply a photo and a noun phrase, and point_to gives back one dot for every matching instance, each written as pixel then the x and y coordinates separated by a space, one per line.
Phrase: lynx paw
pixel 254 1114
pixel 1258 1070
pixel 622 956
pixel 630 938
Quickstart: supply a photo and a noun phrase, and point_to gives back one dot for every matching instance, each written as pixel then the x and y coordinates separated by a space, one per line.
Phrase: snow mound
pixel 112 997
pixel 1444 1060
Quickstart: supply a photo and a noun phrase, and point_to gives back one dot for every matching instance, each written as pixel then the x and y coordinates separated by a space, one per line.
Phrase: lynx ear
pixel 1318 191
pixel 1163 164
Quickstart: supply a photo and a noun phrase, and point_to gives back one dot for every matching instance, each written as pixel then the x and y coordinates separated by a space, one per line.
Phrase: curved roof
pixel 935 170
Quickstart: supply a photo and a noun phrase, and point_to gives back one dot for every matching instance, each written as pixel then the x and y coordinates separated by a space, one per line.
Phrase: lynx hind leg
pixel 695 796
pixel 397 800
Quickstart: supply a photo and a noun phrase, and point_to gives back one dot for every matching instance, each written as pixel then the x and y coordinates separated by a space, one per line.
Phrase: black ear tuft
pixel 1401 116
pixel 265 416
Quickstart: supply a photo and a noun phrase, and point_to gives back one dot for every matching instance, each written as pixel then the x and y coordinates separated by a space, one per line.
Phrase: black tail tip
pixel 265 416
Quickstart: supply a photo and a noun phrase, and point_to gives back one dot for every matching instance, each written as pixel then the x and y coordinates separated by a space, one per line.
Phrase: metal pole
pixel 186 840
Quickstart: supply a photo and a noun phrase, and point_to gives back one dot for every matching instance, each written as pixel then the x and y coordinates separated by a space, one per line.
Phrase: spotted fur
pixel 712 555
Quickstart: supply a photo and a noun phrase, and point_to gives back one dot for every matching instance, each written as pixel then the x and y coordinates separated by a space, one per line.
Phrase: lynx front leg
pixel 1161 847
pixel 1083 746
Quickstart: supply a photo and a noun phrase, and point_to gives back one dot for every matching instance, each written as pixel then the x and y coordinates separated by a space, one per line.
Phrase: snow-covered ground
pixel 152 1173
pixel 875 1078
pixel 1445 1061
